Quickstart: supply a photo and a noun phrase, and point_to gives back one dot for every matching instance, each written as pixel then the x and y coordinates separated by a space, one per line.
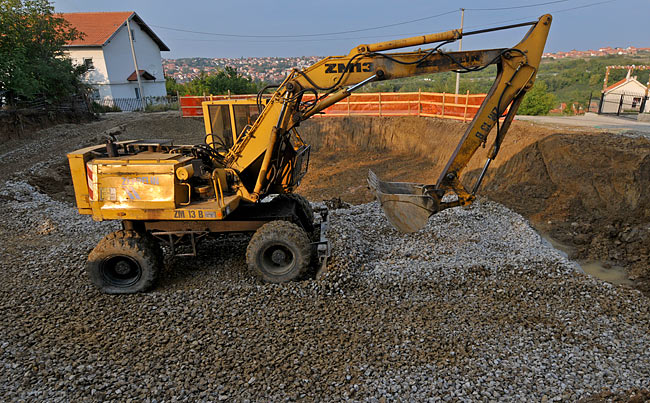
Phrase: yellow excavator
pixel 242 180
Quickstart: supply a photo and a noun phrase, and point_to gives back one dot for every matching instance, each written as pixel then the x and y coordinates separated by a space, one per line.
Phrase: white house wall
pixel 631 89
pixel 98 76
pixel 120 66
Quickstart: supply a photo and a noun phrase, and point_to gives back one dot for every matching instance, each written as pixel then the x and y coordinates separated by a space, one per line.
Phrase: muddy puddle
pixel 598 269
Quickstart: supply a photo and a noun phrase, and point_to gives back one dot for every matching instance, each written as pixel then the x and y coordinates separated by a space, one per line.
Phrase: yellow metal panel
pixel 207 210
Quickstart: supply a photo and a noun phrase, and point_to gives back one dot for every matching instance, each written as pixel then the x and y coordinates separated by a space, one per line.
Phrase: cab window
pixel 221 127
pixel 244 115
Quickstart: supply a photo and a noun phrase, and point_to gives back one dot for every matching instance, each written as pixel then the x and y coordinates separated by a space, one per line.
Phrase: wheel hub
pixel 122 268
pixel 279 257
pixel 121 271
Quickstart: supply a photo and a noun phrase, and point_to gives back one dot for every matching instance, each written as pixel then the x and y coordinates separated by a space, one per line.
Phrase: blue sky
pixel 613 23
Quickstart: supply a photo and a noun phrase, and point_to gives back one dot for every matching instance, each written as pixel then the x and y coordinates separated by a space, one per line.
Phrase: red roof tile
pixel 97 27
pixel 611 87
pixel 143 73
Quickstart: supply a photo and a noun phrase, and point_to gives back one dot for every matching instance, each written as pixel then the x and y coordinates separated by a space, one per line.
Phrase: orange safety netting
pixel 461 106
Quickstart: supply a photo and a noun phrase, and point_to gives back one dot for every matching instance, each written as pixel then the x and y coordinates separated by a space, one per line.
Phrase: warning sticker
pixel 107 194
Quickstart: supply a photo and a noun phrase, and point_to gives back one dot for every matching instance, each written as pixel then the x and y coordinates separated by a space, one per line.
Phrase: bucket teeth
pixel 406 205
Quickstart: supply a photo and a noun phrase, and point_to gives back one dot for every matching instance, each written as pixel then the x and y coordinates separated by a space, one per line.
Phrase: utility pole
pixel 460 47
pixel 135 63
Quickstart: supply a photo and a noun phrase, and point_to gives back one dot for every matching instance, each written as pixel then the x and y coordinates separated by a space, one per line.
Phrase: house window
pixel 88 62
pixel 133 35
pixel 94 94
pixel 636 101
pixel 137 92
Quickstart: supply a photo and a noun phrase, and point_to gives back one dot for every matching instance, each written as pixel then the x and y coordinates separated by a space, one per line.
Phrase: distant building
pixel 626 95
pixel 105 49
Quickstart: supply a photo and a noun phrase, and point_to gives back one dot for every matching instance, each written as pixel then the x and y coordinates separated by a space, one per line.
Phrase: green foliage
pixel 172 86
pixel 32 62
pixel 538 101
pixel 216 84
pixel 172 106
pixel 99 108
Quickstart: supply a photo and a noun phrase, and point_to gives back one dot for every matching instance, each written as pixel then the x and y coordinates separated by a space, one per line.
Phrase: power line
pixel 291 39
pixel 306 35
pixel 511 7
pixel 533 16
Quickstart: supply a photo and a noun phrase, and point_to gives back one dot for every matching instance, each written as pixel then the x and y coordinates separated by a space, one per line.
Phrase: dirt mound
pixel 23 123
pixel 591 192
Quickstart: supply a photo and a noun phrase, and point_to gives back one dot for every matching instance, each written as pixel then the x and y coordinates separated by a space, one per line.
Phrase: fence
pixel 441 105
pixel 622 103
pixel 78 103
pixel 134 104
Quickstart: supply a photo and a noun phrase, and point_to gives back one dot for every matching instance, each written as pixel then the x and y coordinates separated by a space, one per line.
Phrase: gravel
pixel 473 307
pixel 476 306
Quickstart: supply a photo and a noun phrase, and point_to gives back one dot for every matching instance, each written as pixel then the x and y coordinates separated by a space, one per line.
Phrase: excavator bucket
pixel 406 205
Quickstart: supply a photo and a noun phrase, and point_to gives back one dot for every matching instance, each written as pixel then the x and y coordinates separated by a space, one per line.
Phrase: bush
pixel 538 101
pixel 162 107
pixel 99 108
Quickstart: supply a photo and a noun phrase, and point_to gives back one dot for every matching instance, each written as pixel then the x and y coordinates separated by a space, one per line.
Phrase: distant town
pixel 265 69
pixel 630 50
pixel 274 69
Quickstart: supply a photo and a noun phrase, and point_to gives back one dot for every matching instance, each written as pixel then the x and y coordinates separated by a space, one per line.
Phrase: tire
pixel 278 252
pixel 308 213
pixel 124 262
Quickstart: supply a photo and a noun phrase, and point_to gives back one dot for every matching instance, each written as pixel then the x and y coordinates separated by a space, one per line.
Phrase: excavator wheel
pixel 278 252
pixel 307 211
pixel 124 262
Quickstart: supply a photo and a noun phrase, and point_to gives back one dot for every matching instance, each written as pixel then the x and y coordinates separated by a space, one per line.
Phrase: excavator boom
pixel 259 151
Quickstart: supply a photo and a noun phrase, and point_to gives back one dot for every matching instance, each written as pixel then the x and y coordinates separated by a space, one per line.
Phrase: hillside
pixel 571 80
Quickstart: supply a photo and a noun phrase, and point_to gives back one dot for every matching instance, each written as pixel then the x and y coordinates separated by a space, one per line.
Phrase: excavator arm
pixel 264 155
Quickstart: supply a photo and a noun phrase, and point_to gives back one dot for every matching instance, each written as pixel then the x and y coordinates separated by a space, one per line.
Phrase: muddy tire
pixel 124 262
pixel 307 217
pixel 278 252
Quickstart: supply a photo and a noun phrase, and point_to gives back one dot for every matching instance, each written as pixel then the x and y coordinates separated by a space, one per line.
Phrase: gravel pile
pixel 474 306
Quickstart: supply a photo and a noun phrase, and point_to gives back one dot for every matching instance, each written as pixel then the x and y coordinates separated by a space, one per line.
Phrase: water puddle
pixel 612 274
pixel 601 270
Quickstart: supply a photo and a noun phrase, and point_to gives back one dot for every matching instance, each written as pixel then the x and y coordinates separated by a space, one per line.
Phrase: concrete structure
pixel 106 50
pixel 630 91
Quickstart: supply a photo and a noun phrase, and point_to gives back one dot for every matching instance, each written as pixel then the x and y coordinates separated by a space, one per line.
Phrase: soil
pixel 587 189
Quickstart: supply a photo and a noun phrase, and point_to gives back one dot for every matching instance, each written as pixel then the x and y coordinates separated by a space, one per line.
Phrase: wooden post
pixel 178 99
pixel 380 104
pixel 419 101
pixel 443 105
pixel 228 94
pixel 466 103
pixel 349 104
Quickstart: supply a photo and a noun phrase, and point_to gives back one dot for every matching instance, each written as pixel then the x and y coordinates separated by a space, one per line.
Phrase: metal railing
pixel 134 104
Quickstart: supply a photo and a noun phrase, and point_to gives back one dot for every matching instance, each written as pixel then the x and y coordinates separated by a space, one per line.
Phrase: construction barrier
pixel 441 105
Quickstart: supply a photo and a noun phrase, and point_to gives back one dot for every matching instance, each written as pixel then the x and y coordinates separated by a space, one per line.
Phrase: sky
pixel 258 28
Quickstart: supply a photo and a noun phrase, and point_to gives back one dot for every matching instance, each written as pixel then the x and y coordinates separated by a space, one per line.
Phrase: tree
pixel 172 86
pixel 32 61
pixel 538 101
pixel 219 83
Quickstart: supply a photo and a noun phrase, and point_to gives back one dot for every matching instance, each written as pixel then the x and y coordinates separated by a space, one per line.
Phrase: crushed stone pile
pixel 476 306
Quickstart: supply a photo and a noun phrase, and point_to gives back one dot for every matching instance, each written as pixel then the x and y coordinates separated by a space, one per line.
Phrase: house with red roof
pixel 105 49
pixel 627 94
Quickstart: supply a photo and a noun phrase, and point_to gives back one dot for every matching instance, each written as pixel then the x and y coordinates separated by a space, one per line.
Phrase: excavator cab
pixel 226 120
